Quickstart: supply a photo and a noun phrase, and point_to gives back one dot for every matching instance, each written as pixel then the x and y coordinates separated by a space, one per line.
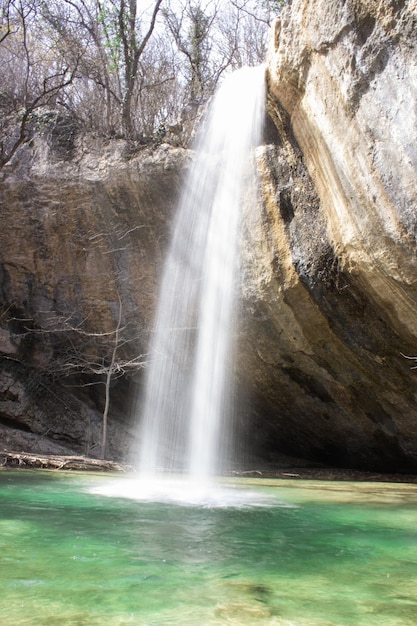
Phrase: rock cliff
pixel 331 284
pixel 81 243
pixel 329 281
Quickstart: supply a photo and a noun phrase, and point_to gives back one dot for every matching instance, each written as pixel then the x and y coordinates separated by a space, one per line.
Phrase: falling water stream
pixel 187 402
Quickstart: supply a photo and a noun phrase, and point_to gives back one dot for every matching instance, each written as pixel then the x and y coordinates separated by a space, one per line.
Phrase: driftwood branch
pixel 24 460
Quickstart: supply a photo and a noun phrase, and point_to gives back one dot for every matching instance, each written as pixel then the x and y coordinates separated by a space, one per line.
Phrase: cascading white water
pixel 188 388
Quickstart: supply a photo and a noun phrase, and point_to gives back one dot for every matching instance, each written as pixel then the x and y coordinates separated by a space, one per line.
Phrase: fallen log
pixel 47 461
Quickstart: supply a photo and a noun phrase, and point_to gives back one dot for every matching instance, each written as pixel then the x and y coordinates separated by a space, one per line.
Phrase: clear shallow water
pixel 340 554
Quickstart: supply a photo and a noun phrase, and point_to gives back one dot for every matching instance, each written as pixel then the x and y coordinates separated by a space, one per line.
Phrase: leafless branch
pixel 411 358
pixel 5 27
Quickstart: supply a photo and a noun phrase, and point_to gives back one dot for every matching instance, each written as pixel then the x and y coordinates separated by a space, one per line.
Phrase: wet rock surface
pixel 330 294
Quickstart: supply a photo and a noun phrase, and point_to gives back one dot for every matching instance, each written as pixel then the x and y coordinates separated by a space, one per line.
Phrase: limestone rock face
pixel 82 240
pixel 330 288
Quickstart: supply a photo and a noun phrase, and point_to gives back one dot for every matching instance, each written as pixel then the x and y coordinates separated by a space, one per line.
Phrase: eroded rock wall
pixel 82 240
pixel 330 299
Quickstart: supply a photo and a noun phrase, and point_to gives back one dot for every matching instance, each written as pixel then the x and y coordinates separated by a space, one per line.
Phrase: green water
pixel 345 554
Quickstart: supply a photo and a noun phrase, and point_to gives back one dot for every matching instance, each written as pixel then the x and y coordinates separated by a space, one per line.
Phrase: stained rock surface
pixel 331 284
pixel 81 245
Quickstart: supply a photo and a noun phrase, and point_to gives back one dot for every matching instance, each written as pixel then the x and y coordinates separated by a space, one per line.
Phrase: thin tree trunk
pixel 108 382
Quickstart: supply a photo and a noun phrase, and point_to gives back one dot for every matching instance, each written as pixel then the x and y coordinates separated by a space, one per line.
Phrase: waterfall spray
pixel 188 392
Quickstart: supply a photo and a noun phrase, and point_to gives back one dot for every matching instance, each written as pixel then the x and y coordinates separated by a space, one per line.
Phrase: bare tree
pixel 262 11
pixel 80 357
pixel 115 36
pixel 5 26
pixel 215 37
pixel 191 30
pixel 88 344
pixel 133 48
pixel 243 36
pixel 115 68
pixel 30 80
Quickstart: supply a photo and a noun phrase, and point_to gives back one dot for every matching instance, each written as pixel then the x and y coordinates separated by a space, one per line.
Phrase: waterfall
pixel 188 390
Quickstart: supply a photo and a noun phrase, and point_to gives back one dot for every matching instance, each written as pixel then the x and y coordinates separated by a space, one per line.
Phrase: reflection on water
pixel 342 554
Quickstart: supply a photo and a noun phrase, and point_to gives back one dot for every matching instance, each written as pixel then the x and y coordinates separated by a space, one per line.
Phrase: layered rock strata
pixel 82 240
pixel 331 284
